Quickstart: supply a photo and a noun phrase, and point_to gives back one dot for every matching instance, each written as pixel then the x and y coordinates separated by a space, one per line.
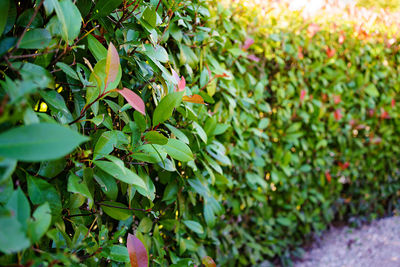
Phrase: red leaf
pixel 197 99
pixel 133 99
pixel 338 114
pixel 328 176
pixel 137 252
pixel 300 53
pixel 112 65
pixel 384 114
pixel 208 262
pixel 337 99
pixel 393 103
pixel 343 166
pixel 330 52
pixel 303 94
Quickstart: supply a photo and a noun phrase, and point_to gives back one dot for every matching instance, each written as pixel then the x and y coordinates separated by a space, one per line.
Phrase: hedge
pixel 172 133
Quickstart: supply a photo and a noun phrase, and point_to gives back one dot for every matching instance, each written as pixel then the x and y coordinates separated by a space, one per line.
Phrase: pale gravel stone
pixel 373 245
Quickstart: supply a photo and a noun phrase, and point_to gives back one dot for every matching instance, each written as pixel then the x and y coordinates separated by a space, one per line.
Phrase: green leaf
pixel 39 142
pixel 12 236
pixel 79 186
pixel 40 223
pixel 120 172
pixel 178 150
pixel 35 39
pixel 105 7
pixel 68 70
pixel 19 206
pixel 154 137
pixel 150 16
pixel 99 76
pixel 98 50
pixel 284 221
pixel 145 225
pixel 178 133
pixel 200 131
pixel 50 169
pixel 107 184
pixel 69 17
pixel 371 90
pixel 166 106
pixel 150 153
pixel 194 226
pixel 7 167
pixel 116 210
pixel 105 144
pixel 41 191
pixel 4 6
pixel 158 52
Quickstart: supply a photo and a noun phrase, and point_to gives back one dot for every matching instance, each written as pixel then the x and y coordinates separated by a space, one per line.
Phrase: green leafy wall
pixel 233 133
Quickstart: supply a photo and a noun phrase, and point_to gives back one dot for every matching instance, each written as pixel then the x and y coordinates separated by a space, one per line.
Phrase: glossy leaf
pixel 137 252
pixel 112 65
pixel 120 172
pixel 35 39
pixel 38 142
pixel 96 48
pixel 197 99
pixel 178 150
pixel 166 106
pixel 133 99
pixel 154 137
pixel 116 210
pixel 194 226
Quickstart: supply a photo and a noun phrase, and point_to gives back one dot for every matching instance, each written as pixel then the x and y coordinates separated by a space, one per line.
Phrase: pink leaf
pixel 302 94
pixel 337 99
pixel 181 84
pixel 112 65
pixel 175 75
pixel 137 252
pixel 247 44
pixel 253 58
pixel 133 99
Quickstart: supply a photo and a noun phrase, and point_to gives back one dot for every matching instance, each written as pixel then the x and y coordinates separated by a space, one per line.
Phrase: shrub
pixel 267 134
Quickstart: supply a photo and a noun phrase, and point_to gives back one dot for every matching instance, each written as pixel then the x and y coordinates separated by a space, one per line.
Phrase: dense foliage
pixel 208 132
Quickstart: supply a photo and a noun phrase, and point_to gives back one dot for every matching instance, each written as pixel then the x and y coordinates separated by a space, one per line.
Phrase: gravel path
pixel 374 245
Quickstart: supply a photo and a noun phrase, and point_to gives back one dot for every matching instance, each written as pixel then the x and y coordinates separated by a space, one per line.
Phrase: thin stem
pixel 29 24
pixel 33 55
pixel 123 208
pixel 80 214
pixel 159 2
pixel 83 111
